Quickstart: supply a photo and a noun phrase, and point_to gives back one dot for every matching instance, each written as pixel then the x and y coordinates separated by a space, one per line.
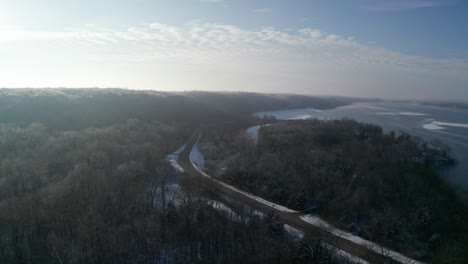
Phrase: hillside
pixel 81 108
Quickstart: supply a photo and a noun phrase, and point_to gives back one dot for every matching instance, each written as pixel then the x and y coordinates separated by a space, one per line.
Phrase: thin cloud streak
pixel 407 5
pixel 263 10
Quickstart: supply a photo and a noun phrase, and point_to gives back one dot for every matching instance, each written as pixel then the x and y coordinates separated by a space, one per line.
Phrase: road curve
pixel 292 219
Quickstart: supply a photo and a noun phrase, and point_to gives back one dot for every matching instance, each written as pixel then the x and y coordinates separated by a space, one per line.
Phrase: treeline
pixel 381 186
pixel 460 105
pixel 82 108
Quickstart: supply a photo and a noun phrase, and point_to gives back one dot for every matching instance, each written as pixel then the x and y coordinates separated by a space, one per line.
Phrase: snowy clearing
pixel 316 221
pixel 174 161
pixel 252 132
pixel 173 158
pixel 197 158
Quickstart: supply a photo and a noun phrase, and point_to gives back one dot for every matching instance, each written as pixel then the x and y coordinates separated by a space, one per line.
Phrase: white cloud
pixel 234 56
pixel 203 41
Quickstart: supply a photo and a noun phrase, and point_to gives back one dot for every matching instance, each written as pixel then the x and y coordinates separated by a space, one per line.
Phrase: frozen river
pixel 449 125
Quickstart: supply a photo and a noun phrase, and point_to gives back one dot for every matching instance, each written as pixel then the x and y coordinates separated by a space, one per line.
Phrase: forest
pixel 84 178
pixel 82 108
pixel 382 186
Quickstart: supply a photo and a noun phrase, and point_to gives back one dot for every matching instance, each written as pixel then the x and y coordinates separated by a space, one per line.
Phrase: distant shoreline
pixel 456 105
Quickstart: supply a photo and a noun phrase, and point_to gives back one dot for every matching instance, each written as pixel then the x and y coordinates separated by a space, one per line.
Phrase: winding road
pixel 290 218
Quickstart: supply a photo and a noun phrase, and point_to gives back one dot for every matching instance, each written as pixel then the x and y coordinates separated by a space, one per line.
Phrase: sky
pixel 391 49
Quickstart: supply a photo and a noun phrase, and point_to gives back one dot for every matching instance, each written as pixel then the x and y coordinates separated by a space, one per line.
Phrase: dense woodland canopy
pixel 380 186
pixel 82 108
pixel 84 179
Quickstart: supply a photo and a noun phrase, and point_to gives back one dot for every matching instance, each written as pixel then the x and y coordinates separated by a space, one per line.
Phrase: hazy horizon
pixel 413 50
pixel 456 100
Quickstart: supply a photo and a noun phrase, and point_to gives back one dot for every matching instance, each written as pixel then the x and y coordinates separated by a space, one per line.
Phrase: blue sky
pixel 403 49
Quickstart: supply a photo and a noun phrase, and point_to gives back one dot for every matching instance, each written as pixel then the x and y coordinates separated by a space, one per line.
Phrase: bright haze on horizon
pixel 413 49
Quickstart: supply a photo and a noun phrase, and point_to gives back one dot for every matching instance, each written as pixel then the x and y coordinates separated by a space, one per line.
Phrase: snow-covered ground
pixel 316 221
pixel 197 158
pixel 230 214
pixel 175 164
pixel 293 232
pixel 343 254
pixel 247 210
pixel 252 132
pixel 261 200
pixel 436 125
pixel 431 126
pixel 298 235
pixel 173 159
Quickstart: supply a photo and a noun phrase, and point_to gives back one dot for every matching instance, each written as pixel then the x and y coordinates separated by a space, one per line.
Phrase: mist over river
pixel 449 125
